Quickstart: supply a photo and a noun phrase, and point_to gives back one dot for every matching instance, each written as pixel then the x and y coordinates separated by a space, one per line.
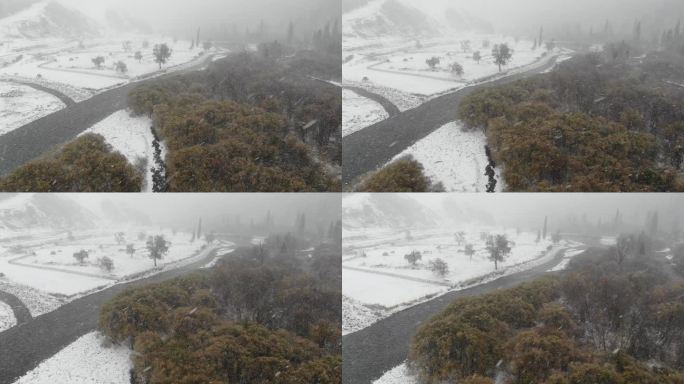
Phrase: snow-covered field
pixel 21 104
pixel 378 280
pixel 85 361
pixel 52 268
pixel 7 319
pixel 455 157
pixel 401 64
pixel 37 45
pixel 73 65
pixel 359 112
pixel 567 257
pixel 132 137
pixel 397 375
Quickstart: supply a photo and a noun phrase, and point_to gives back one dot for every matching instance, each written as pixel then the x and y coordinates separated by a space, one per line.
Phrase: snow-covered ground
pixel 51 267
pixel 359 112
pixel 401 64
pixel 21 104
pixel 567 257
pixel 85 361
pixel 36 301
pixel 379 281
pixel 132 137
pixel 37 45
pixel 73 65
pixel 397 375
pixel 7 319
pixel 455 157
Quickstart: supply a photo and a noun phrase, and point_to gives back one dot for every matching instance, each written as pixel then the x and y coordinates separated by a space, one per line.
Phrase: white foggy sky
pixel 178 13
pixel 510 208
pixel 526 16
pixel 176 209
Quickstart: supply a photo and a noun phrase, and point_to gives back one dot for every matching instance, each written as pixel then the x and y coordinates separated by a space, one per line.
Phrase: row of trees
pixel 161 52
pixel 501 54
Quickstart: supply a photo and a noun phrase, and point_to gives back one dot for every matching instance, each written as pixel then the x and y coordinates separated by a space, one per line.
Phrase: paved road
pixel 21 313
pixel 23 347
pixel 369 353
pixel 390 108
pixel 370 148
pixel 43 135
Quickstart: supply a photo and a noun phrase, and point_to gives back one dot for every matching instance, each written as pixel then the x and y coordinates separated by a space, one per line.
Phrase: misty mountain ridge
pixel 54 19
pixel 397 211
pixel 385 211
pixel 400 18
pixel 48 19
pixel 23 212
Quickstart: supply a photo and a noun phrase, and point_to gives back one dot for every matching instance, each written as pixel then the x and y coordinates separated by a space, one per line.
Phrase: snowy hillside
pixel 42 211
pixel 363 211
pixel 47 19
pixel 385 211
pixel 381 18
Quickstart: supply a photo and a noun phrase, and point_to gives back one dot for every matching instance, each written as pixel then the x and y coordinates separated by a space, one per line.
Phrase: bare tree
pixel 502 55
pixel 81 255
pixel 130 250
pixel 499 248
pixel 439 267
pixel 158 247
pixel 162 54
pixel 413 258
pixel 469 251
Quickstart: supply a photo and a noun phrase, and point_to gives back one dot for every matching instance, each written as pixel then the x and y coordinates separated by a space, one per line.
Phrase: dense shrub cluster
pixel 598 324
pixel 403 175
pixel 469 337
pixel 237 127
pixel 87 164
pixel 590 125
pixel 259 317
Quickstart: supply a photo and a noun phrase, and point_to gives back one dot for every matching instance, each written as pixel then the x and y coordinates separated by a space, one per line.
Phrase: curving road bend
pixel 391 109
pixel 372 351
pixel 25 346
pixel 21 312
pixel 39 137
pixel 371 148
pixel 68 101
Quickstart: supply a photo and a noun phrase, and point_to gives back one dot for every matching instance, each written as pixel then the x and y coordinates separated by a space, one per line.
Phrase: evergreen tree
pixel 290 33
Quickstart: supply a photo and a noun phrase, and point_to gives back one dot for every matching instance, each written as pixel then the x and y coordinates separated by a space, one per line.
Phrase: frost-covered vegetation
pixel 266 315
pixel 609 320
pixel 87 164
pixel 402 175
pixel 240 126
pixel 599 122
